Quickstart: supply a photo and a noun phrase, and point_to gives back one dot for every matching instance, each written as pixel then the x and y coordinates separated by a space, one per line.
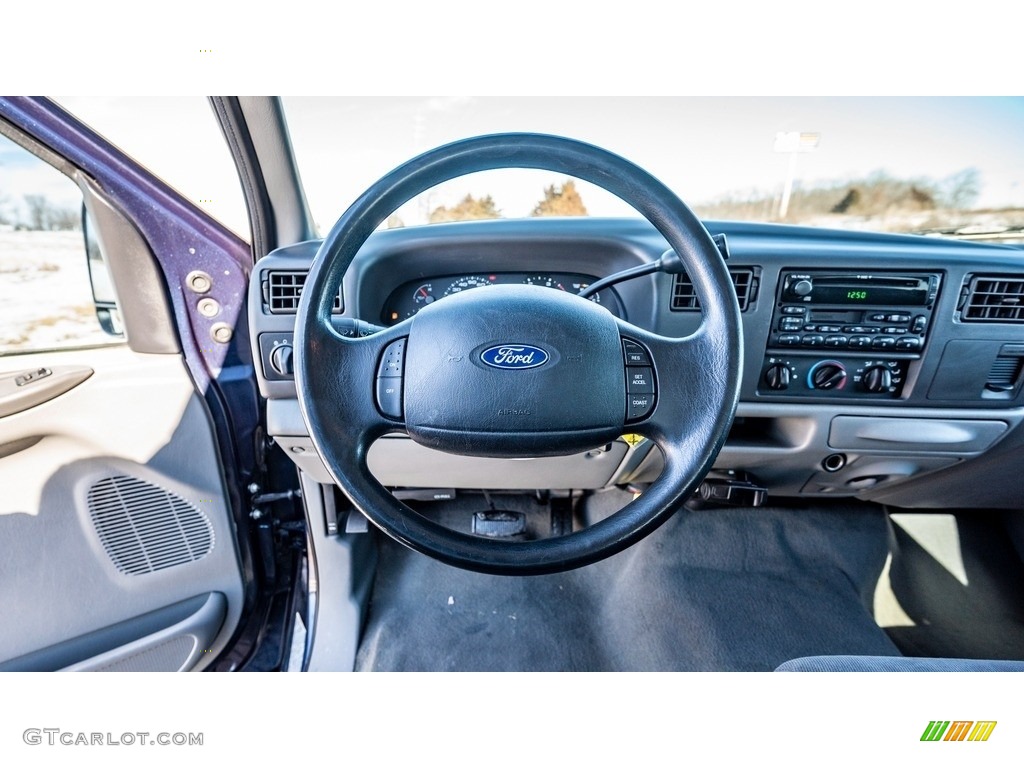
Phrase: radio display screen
pixel 881 295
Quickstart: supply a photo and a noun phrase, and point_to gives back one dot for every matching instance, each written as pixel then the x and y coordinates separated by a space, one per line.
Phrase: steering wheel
pixel 518 371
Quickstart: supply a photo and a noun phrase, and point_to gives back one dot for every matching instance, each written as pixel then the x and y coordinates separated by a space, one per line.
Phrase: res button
pixel 635 354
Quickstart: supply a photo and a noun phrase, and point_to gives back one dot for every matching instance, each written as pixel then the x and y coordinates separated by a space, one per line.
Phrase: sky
pixel 702 147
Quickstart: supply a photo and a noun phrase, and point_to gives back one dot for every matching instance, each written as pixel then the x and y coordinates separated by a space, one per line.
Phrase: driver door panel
pixel 118 549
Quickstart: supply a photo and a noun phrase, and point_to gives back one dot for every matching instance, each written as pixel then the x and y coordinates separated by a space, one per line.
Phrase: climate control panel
pixel 842 376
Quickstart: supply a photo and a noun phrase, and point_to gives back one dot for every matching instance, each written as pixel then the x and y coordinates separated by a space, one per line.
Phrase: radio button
pixel 909 343
pixel 794 310
pixel 858 342
pixel 919 324
pixel 813 341
pixel 791 324
pixel 894 329
pixel 829 328
pixel 789 339
pixel 878 317
pixel 836 341
pixel 899 318
pixel 883 342
pixel 802 287
pixel 810 327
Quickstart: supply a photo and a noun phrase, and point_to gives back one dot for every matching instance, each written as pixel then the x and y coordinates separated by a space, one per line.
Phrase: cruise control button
pixel 639 381
pixel 640 406
pixel 392 362
pixel 635 354
pixel 389 396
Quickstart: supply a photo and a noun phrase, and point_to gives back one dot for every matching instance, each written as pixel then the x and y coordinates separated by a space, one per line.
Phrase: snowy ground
pixel 45 297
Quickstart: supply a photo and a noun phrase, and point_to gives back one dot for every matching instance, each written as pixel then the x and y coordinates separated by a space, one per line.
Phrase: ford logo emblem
pixel 514 356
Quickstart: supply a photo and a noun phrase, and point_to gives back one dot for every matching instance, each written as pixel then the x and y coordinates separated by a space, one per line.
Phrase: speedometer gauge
pixel 465 283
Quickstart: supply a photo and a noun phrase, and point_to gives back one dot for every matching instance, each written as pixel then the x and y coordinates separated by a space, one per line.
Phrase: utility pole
pixel 793 143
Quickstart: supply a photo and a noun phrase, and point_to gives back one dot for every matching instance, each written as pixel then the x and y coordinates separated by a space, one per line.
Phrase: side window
pixel 48 275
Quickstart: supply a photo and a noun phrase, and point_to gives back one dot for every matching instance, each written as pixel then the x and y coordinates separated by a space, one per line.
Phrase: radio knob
pixel 829 375
pixel 777 377
pixel 802 287
pixel 877 378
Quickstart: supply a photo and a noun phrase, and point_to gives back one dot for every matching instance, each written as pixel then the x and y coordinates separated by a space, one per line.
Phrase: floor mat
pixel 734 589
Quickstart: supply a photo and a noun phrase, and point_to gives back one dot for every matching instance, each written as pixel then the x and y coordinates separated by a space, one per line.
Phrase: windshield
pixel 943 166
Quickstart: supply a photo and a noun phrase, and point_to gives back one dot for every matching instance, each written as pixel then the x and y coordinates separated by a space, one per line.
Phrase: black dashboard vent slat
pixel 994 299
pixel 284 289
pixel 684 297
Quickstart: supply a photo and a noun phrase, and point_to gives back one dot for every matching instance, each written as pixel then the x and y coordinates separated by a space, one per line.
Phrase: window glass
pixel 177 138
pixel 939 166
pixel 46 298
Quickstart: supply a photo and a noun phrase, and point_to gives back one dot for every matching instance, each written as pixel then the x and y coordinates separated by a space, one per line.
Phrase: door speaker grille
pixel 145 528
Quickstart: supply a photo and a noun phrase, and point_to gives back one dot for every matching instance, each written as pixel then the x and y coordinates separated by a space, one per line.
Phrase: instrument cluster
pixel 409 298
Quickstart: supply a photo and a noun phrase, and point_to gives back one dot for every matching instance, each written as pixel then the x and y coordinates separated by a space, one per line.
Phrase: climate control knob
pixel 827 374
pixel 777 376
pixel 877 378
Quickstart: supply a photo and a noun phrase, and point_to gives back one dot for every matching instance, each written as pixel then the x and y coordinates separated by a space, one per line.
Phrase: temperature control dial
pixel 828 374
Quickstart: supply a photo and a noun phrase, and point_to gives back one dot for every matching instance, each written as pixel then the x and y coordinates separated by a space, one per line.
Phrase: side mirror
pixel 103 295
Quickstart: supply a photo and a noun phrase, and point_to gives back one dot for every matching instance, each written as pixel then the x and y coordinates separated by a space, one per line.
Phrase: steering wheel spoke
pixel 687 377
pixel 356 384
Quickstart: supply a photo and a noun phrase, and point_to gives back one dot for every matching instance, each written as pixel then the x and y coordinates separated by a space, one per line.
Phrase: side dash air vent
pixel 993 299
pixel 282 291
pixel 684 298
pixel 145 528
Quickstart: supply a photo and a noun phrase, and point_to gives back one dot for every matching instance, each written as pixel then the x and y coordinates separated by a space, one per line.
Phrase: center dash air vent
pixel 993 299
pixel 282 291
pixel 684 298
pixel 145 528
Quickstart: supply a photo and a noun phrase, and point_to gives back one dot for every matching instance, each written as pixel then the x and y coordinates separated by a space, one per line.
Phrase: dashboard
pixel 883 367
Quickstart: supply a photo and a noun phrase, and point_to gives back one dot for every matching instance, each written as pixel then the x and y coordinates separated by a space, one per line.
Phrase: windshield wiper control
pixel 669 262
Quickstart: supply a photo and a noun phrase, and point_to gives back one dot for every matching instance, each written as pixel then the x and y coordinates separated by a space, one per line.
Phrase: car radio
pixel 853 317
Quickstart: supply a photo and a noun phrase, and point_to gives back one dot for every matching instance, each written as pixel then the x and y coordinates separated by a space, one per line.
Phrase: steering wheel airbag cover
pixel 552 384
